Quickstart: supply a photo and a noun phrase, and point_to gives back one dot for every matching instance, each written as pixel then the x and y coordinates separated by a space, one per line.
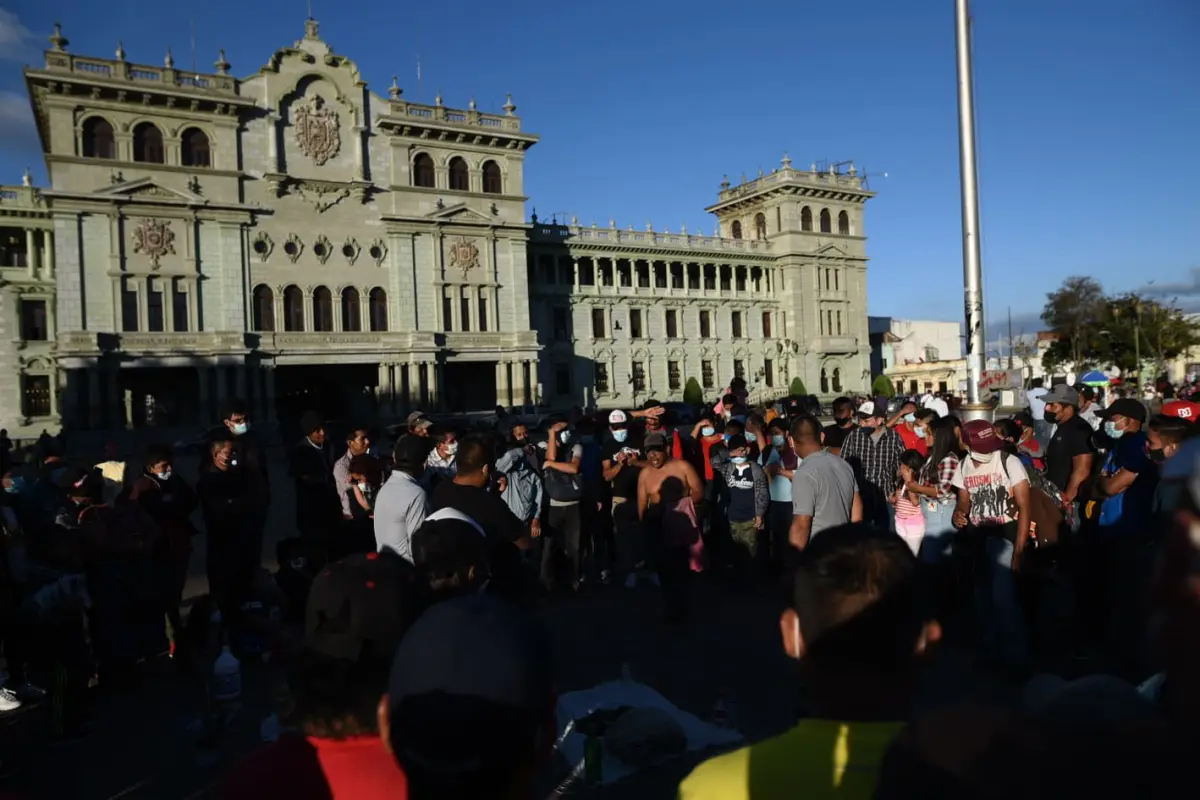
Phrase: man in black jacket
pixel 318 509
pixel 248 455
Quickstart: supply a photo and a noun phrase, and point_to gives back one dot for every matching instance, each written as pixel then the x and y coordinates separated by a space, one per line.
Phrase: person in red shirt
pixel 354 620
pixel 470 706
pixel 915 428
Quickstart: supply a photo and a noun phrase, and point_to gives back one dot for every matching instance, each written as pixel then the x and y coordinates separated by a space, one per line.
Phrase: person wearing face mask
pixel 1069 455
pixel 318 507
pixel 749 499
pixel 168 500
pixel 843 422
pixel 915 429
pixel 622 460
pixel 993 505
pixel 779 461
pixel 1119 558
pixel 707 434
pixel 756 435
pixel 228 495
pixel 873 449
pixel 564 485
pixel 1164 437
pixel 441 465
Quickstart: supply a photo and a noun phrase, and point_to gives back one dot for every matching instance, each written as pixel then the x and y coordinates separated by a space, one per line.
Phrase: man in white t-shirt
pixel 993 502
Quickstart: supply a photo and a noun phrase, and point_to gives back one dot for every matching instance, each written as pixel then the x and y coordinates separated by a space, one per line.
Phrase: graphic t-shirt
pixel 815 760
pixel 740 480
pixel 990 485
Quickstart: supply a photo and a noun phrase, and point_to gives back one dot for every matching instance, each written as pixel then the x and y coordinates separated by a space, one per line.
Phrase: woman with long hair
pixel 934 486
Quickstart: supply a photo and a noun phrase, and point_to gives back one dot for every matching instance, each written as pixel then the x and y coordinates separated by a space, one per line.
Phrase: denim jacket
pixel 524 492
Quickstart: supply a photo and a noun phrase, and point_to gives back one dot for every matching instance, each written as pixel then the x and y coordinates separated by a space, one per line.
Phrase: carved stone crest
pixel 464 255
pixel 317 131
pixel 154 238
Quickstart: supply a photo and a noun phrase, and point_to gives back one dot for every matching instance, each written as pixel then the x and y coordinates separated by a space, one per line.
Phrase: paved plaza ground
pixel 142 746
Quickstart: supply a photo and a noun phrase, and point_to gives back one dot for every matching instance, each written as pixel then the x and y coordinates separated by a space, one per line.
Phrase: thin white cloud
pixel 16 41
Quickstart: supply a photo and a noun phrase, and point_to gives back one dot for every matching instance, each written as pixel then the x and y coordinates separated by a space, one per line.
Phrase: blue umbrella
pixel 1094 378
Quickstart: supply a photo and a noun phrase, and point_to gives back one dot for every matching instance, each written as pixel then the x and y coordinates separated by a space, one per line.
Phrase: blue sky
pixel 1088 112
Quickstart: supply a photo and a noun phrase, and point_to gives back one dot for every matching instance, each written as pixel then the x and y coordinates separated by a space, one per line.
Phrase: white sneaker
pixel 8 701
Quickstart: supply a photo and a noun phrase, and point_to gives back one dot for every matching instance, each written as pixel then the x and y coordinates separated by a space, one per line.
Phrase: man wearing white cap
pixel 874 449
pixel 621 461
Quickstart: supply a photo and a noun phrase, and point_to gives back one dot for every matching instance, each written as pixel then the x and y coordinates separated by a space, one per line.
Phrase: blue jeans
pixel 1000 616
pixel 939 531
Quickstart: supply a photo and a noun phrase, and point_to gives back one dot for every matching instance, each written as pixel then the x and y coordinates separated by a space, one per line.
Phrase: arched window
pixel 824 381
pixel 293 309
pixel 837 379
pixel 148 144
pixel 98 141
pixel 736 229
pixel 493 181
pixel 760 226
pixel 378 309
pixel 322 304
pixel 460 178
pixel 826 221
pixel 423 171
pixel 264 308
pixel 351 310
pixel 843 223
pixel 806 219
pixel 195 148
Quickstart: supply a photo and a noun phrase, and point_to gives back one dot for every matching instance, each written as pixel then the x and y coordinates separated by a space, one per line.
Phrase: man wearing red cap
pixel 993 500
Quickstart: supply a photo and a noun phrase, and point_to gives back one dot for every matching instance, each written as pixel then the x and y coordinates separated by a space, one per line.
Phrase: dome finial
pixel 120 51
pixel 57 40
pixel 169 61
pixel 395 91
pixel 221 64
pixel 509 108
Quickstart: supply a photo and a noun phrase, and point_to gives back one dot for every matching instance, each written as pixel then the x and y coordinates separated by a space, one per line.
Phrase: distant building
pixel 896 342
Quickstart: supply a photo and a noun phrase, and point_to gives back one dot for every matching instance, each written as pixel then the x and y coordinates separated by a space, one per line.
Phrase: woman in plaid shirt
pixel 938 495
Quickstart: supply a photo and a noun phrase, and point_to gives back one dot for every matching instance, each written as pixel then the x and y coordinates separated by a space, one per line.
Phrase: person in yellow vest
pixel 856 630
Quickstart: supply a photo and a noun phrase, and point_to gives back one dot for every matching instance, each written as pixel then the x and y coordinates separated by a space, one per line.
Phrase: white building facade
pixel 293 239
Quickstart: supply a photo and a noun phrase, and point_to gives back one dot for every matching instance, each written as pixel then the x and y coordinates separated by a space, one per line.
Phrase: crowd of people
pixel 405 603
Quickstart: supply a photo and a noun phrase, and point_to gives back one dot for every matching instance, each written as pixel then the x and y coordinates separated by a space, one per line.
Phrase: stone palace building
pixel 297 240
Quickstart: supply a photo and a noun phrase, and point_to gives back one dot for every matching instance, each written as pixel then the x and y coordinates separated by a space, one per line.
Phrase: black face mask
pixel 1050 417
pixel 844 422
pixel 1157 456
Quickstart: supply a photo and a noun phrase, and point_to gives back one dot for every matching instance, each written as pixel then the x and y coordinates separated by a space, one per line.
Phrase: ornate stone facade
pixel 294 239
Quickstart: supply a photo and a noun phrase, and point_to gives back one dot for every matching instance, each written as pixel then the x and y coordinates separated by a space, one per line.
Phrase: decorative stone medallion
pixel 293 247
pixel 377 250
pixel 322 248
pixel 317 130
pixel 464 254
pixel 154 238
pixel 263 245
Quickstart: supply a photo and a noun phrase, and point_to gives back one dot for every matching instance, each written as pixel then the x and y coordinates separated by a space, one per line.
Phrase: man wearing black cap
pixel 470 705
pixel 357 611
pixel 318 509
pixel 873 450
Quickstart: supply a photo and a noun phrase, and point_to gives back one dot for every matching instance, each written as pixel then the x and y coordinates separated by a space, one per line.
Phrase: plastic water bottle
pixel 227 677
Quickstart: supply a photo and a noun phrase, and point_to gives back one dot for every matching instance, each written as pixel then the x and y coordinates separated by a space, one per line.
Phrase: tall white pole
pixel 972 263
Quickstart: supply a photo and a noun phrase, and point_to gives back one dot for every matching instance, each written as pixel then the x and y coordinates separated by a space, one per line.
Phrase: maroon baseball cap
pixel 981 438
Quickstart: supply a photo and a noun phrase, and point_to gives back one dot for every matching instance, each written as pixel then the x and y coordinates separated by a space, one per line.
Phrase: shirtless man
pixel 669 529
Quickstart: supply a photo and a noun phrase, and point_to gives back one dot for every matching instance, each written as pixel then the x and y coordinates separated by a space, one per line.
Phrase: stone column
pixel 129 408
pixel 48 251
pixel 419 391
pixel 575 273
pixel 383 392
pixel 204 406
pixel 31 252
pixel 535 382
pixel 269 373
pixel 95 403
pixel 502 397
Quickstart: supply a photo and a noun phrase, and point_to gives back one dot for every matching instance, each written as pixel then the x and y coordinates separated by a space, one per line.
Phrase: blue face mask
pixel 620 435
pixel 240 428
pixel 17 484
pixel 778 440
pixel 738 459
pixel 910 417
pixel 708 431
pixel 1112 430
pixel 919 431
pixel 751 438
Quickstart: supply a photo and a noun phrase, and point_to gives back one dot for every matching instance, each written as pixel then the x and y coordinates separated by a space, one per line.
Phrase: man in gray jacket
pixel 520 481
pixel 749 498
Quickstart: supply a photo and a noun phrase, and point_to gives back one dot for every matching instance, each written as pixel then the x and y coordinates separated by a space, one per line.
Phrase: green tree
pixel 882 386
pixel 1134 327
pixel 692 393
pixel 797 388
pixel 1076 313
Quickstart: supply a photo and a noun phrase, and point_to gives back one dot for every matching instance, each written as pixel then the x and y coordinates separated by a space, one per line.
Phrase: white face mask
pixel 451 448
pixel 362 486
pixel 163 476
pixel 564 436
pixel 983 458
pixel 239 428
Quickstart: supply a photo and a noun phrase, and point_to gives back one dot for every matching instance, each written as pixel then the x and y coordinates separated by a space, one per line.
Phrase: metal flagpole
pixel 975 408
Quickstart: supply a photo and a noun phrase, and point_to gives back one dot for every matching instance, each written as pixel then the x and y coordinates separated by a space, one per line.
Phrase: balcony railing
pixel 454 116
pixel 568 234
pixel 826 180
pixel 115 70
